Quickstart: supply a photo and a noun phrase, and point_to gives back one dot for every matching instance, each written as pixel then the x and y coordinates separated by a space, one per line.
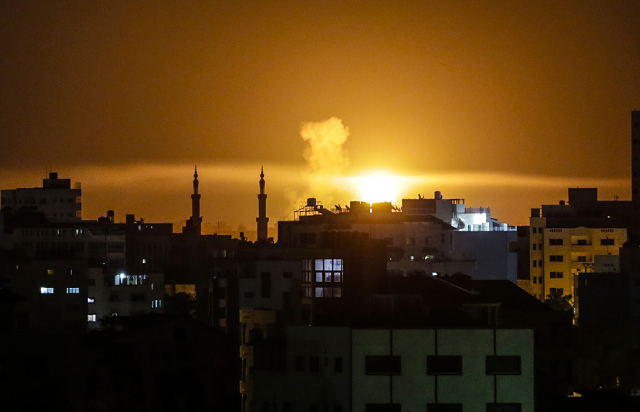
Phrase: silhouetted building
pixel 262 218
pixel 56 199
pixel 194 223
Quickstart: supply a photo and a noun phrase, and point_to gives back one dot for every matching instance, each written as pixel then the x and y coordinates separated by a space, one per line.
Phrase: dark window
pixel 556 275
pixel 338 365
pixel 265 406
pixel 266 285
pixel 91 282
pixel 535 278
pixel 559 291
pixel 535 263
pixel 534 246
pixel 299 363
pixel 534 230
pixel 287 275
pixel 444 365
pixel 556 258
pixel 607 242
pixel 248 295
pixel 444 407
pixel 556 242
pixel 441 237
pixel 314 364
pixel 138 297
pixel 382 365
pixel 503 365
pixel 383 407
pixel 73 308
pixel 582 258
pixel 582 242
pixel 504 407
pixel 337 408
pixel 286 406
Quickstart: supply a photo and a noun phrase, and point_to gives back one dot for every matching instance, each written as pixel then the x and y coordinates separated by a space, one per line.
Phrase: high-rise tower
pixel 262 218
pixel 635 174
pixel 194 223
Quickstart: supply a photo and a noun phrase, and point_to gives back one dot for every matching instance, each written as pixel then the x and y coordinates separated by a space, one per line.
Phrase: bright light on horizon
pixel 378 187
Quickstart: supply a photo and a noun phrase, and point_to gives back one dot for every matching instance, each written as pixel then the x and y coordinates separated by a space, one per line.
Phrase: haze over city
pixel 489 101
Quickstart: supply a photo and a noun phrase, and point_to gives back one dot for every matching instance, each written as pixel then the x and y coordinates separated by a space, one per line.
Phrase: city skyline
pixel 492 102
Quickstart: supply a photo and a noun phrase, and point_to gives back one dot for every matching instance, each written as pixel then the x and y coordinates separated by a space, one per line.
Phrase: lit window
pixel 337 264
pixel 46 290
pixel 318 292
pixel 91 300
pixel 318 264
pixel 91 318
pixel 327 276
pixel 144 261
pixel 49 271
pixel 73 290
pixel 337 277
pixel 114 314
pixel 318 276
pixel 328 264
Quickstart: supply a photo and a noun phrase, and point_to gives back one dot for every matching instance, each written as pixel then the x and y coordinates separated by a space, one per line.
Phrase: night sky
pixel 501 103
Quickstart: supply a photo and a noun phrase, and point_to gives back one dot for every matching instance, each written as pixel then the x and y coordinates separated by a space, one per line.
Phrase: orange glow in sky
pixel 503 103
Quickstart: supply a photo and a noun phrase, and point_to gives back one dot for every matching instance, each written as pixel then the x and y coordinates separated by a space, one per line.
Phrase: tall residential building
pixel 559 254
pixel 262 218
pixel 56 199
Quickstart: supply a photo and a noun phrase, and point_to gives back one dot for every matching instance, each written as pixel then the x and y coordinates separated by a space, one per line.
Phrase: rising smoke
pixel 326 161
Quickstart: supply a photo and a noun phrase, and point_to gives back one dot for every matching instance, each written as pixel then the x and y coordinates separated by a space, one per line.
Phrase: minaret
pixel 196 219
pixel 262 218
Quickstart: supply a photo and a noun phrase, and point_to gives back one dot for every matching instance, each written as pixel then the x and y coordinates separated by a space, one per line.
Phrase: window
pixel 503 365
pixel 46 291
pixel 582 242
pixel 265 285
pixel 535 263
pixel 49 271
pixel 300 363
pixel 337 292
pixel 91 282
pixel 382 365
pixel 319 292
pixel 314 364
pixel 337 365
pixel 411 241
pixel 444 407
pixel 337 277
pixel 319 277
pixel 287 275
pixel 73 290
pixel 327 292
pixel 559 291
pixel 534 230
pixel 444 365
pixel 540 263
pixel 504 407
pixel 248 295
pixel 91 300
pixel 383 407
pixel 327 276
pixel 582 258
pixel 535 278
pixel 555 275
pixel 91 318
pixel 556 242
pixel 534 246
pixel 556 258
pixel 607 242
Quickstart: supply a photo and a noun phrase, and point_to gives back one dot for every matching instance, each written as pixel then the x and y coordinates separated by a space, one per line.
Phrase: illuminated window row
pixel 328 277
pixel 443 365
pixel 156 303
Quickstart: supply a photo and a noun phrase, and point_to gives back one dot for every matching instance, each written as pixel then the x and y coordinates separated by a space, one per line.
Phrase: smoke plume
pixel 326 160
